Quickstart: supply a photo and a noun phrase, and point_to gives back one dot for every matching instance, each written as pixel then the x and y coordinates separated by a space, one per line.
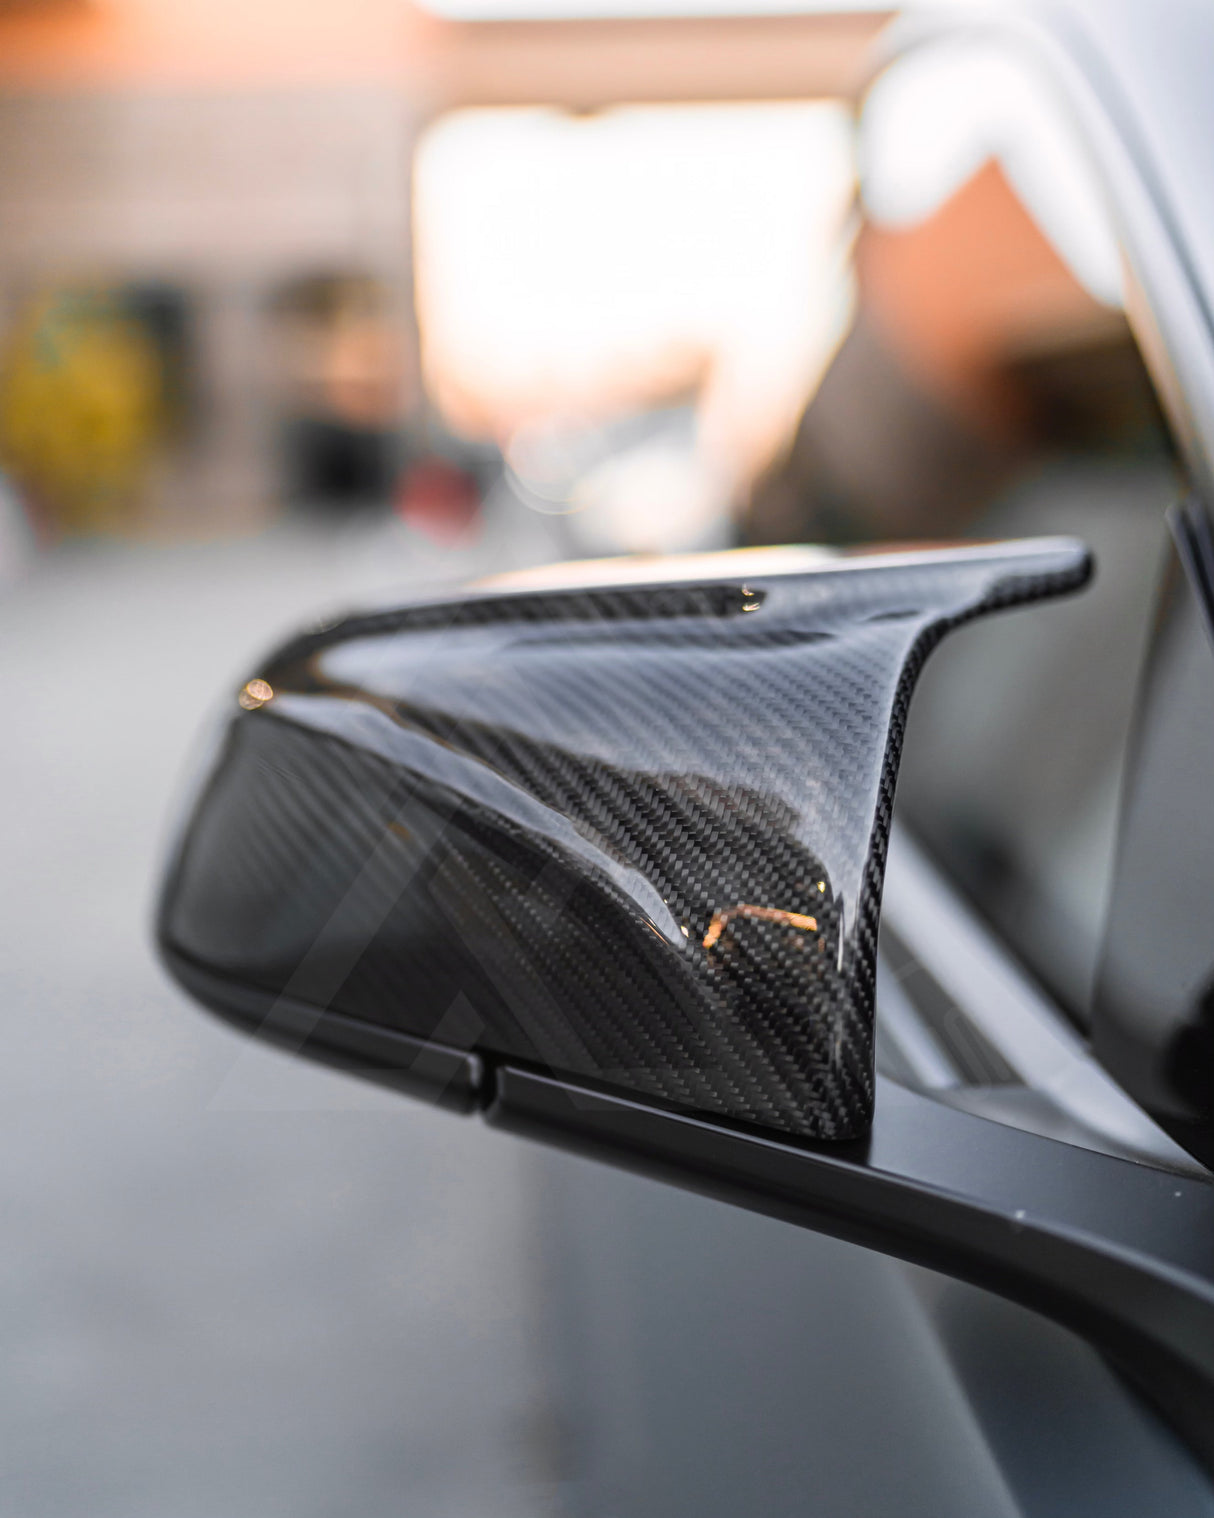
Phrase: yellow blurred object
pixel 81 409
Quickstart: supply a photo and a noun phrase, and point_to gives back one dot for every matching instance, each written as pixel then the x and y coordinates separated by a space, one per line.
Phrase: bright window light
pixel 581 263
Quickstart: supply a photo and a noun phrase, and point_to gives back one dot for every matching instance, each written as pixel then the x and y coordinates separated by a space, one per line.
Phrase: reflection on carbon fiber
pixel 439 900
pixel 635 833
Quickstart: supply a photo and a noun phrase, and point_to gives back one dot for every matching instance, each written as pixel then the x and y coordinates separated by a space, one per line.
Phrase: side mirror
pixel 631 836
pixel 605 864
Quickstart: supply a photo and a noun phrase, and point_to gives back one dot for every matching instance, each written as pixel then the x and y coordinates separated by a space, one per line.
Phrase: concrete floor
pixel 230 1283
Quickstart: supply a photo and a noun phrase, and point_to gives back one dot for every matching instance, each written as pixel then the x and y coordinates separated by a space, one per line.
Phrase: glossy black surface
pixel 633 833
pixel 1154 1013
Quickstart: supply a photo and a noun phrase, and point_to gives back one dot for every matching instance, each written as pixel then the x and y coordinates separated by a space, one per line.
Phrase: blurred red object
pixel 440 499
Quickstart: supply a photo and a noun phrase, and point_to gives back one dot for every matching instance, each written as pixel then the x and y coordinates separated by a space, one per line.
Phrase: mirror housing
pixel 604 863
pixel 629 834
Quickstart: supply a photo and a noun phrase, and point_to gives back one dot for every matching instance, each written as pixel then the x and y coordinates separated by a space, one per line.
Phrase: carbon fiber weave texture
pixel 635 834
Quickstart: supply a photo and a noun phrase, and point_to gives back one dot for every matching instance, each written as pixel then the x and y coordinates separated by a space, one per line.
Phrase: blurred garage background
pixel 305 304
pixel 321 303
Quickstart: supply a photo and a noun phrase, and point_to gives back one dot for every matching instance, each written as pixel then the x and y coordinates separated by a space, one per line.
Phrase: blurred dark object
pixel 332 462
pixel 163 311
pixel 341 359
